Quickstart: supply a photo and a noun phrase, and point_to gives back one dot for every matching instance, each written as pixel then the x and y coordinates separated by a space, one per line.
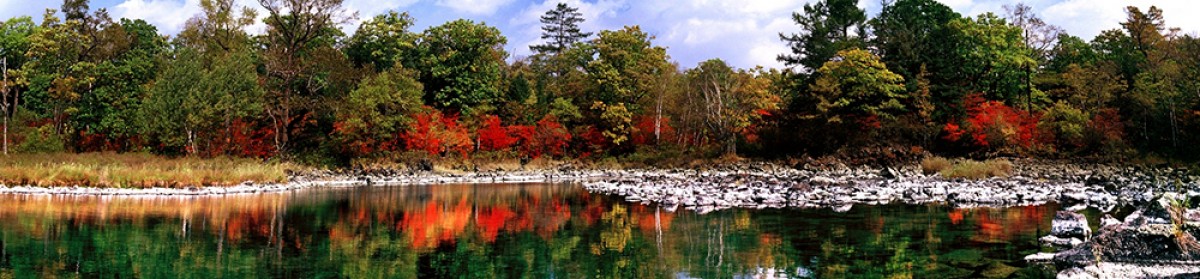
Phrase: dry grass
pixel 969 169
pixel 455 165
pixel 136 170
pixel 934 165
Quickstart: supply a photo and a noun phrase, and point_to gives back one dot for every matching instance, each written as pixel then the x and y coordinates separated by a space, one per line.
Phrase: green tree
pixel 219 28
pixel 560 29
pixel 110 108
pixel 54 71
pixel 193 103
pixel 626 71
pixel 380 107
pixel 908 34
pixel 1070 50
pixel 857 84
pixel 383 41
pixel 994 57
pixel 826 27
pixel 626 67
pixel 299 60
pixel 462 62
pixel 1091 87
pixel 1039 37
pixel 14 42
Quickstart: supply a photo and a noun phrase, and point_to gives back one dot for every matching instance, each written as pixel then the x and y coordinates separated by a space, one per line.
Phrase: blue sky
pixel 742 32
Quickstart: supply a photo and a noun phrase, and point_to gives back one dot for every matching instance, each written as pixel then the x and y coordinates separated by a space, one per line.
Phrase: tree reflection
pixel 490 231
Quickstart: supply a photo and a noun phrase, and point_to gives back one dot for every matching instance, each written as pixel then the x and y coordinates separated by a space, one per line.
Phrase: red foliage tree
pixel 435 133
pixel 1106 128
pixel 992 124
pixel 249 140
pixel 593 140
pixel 550 137
pixel 524 135
pixel 645 130
pixel 493 136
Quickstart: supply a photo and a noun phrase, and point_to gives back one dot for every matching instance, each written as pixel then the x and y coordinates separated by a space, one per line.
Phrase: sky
pixel 742 32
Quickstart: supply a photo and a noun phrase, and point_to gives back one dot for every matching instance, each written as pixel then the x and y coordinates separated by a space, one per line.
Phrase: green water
pixel 499 231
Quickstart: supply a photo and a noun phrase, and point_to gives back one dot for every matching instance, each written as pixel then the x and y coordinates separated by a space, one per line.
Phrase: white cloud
pixel 744 33
pixel 478 7
pixel 1088 18
pixel 168 15
pixel 958 5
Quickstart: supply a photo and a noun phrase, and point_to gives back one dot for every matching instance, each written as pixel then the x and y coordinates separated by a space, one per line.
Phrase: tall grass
pixel 964 168
pixel 135 170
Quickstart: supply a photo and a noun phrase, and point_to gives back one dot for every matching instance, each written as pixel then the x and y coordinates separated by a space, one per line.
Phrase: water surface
pixel 499 231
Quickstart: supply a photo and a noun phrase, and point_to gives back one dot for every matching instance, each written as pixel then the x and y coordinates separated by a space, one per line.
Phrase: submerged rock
pixel 998 270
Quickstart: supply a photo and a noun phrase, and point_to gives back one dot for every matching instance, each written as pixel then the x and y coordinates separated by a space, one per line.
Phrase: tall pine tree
pixel 560 29
pixel 826 28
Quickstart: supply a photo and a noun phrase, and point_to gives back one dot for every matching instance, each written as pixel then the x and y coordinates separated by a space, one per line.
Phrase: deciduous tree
pixel 462 62
pixel 857 84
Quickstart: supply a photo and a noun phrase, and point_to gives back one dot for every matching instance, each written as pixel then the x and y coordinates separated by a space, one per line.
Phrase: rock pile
pixel 840 187
pixel 1151 243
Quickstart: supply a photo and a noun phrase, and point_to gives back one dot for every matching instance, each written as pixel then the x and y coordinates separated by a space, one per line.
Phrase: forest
pixel 917 77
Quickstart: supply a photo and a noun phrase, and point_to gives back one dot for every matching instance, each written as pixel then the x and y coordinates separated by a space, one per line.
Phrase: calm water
pixel 499 231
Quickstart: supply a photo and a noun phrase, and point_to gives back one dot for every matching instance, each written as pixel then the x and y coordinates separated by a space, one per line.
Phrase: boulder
pixel 1068 224
pixel 1109 220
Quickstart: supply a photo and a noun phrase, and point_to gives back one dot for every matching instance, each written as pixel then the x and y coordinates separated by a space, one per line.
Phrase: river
pixel 500 231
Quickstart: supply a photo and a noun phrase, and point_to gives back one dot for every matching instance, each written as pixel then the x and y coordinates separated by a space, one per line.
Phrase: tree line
pixel 917 76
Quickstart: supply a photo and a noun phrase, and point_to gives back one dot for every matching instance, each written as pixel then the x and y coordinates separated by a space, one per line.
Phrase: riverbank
pixel 1031 182
pixel 743 184
pixel 137 171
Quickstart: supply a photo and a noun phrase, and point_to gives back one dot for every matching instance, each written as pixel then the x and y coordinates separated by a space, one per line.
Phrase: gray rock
pixel 1068 224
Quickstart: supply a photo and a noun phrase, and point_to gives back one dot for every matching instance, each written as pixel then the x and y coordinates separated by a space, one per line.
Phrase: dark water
pixel 500 231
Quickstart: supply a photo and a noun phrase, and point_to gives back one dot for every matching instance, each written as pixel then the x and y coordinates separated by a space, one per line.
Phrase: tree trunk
pixel 191 141
pixel 1174 128
pixel 658 120
pixel 6 128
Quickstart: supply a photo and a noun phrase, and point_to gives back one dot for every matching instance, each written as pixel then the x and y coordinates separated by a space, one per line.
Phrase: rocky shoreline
pixel 762 185
pixel 324 179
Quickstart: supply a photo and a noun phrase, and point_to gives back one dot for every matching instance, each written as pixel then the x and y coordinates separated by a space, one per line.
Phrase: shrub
pixel 1105 131
pixel 41 140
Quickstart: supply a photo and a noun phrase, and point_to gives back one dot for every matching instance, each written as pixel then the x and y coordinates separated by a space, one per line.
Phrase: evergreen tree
pixel 826 28
pixel 561 29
